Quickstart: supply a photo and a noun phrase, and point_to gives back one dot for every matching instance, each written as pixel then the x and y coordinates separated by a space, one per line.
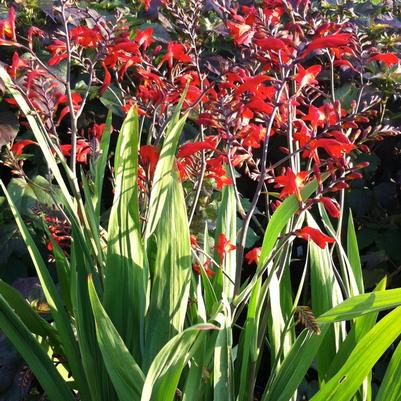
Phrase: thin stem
pixel 73 117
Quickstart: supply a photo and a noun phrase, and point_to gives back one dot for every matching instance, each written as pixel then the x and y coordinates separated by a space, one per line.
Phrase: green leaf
pixel 248 348
pixel 95 371
pixel 359 305
pixel 168 248
pixel 34 355
pixel 227 224
pixel 99 166
pixel 125 272
pixel 53 299
pixel 165 371
pixel 123 370
pixel 170 267
pixel 325 294
pixel 367 352
pixel 353 253
pixel 161 177
pixel 390 388
pixel 223 372
pixel 294 367
pixel 28 316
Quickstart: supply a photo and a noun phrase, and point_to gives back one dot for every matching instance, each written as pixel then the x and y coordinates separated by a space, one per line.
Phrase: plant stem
pixel 73 116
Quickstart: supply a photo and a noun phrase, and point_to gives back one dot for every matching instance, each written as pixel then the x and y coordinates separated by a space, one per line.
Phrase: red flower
pixel 144 38
pixel 85 37
pixel 106 81
pixel 7 28
pixel 309 233
pixel 223 246
pixel 251 84
pixel 34 31
pixel 306 77
pixel 97 130
pixel 253 135
pixel 388 58
pixel 253 255
pixel 216 171
pixel 329 41
pixel 194 241
pixel 332 207
pixel 16 64
pixel 333 147
pixel 292 183
pixel 149 155
pixel 83 150
pixel 62 99
pixel 242 33
pixel 188 149
pixel 209 272
pixel 18 147
pixel 177 52
pixel 272 44
pixel 59 52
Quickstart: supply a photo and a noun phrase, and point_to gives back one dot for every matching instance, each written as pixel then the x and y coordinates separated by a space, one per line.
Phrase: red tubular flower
pixel 18 147
pixel 326 42
pixel 251 84
pixel 242 33
pixel 149 155
pixel 97 130
pixel 309 233
pixel 332 207
pixel 216 171
pixel 387 58
pixel 106 81
pixel 333 147
pixel 223 246
pixel 7 28
pixel 209 272
pixel 63 99
pixel 83 150
pixel 194 241
pixel 144 38
pixel 16 64
pixel 59 52
pixel 85 37
pixel 306 77
pixel 188 149
pixel 292 183
pixel 272 43
pixel 34 31
pixel 253 255
pixel 177 52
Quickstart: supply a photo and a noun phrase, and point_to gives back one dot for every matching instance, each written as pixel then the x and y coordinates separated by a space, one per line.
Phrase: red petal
pixel 106 82
pixel 18 147
pixel 329 41
pixel 388 58
pixel 253 255
pixel 309 233
pixel 332 207
pixel 189 149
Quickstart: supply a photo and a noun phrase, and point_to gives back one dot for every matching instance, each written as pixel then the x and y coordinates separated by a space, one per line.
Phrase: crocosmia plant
pixel 187 165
